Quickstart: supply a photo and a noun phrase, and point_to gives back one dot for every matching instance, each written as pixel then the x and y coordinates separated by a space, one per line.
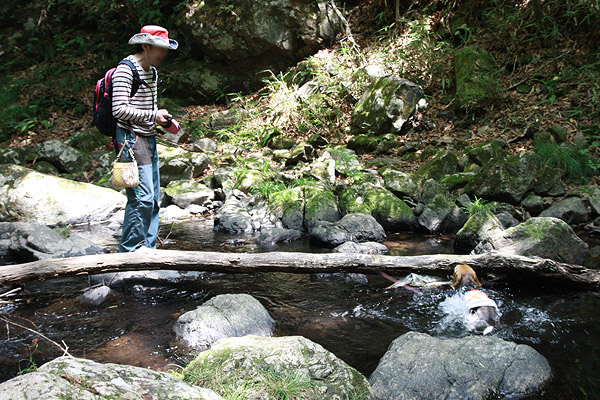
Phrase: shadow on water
pixel 357 322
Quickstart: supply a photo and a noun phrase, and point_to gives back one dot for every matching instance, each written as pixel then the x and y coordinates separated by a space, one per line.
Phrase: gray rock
pixel 205 145
pixel 288 206
pixel 533 203
pixel 350 247
pixel 482 154
pixel 549 182
pixel 507 220
pixel 118 280
pixel 270 237
pixel 27 241
pixel 64 157
pixel 77 378
pixel 173 213
pixel 418 366
pixel 572 210
pixel 250 358
pixel 95 295
pixel 17 155
pixel 233 217
pixel 362 248
pixel 44 167
pixel 184 193
pixel 386 105
pixel 27 195
pixel 226 315
pixel 541 237
pixel 352 227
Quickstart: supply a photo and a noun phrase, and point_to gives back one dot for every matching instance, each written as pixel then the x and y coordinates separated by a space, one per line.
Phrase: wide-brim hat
pixel 156 36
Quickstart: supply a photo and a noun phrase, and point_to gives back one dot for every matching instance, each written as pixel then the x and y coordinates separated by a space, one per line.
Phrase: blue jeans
pixel 140 225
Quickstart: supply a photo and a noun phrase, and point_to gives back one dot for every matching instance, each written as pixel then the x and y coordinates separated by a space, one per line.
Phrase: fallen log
pixel 293 262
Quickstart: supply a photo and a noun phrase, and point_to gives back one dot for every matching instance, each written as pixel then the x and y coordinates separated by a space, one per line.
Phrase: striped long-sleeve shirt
pixel 137 112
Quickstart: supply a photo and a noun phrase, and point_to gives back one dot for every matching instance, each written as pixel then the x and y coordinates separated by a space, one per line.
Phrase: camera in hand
pixel 172 125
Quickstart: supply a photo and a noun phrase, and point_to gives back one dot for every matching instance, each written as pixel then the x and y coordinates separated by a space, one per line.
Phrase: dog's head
pixel 463 276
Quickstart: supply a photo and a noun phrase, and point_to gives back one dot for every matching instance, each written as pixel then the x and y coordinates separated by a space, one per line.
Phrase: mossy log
pixel 500 265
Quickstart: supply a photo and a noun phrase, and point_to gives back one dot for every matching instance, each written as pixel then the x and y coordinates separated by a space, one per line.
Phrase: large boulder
pixel 185 192
pixel 391 212
pixel 504 179
pixel 25 241
pixel 540 236
pixel 77 378
pixel 572 210
pixel 352 227
pixel 225 315
pixel 28 196
pixel 241 39
pixel 439 213
pixel 418 366
pixel 386 105
pixel 474 70
pixel 270 237
pixel 64 157
pixel 262 362
pixel 178 164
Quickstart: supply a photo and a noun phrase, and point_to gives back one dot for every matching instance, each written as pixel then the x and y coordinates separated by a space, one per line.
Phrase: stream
pixel 355 321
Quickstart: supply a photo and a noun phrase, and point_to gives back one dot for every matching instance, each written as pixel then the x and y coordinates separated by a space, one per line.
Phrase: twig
pixel 64 349
pixel 537 70
pixel 355 46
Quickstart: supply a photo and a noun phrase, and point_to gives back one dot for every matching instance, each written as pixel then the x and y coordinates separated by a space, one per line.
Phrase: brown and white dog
pixel 483 313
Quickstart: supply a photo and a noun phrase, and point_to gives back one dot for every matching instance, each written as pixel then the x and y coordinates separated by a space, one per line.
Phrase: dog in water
pixel 483 313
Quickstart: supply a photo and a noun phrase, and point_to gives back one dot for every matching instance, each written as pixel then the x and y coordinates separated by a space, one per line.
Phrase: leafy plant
pixel 576 163
pixel 479 207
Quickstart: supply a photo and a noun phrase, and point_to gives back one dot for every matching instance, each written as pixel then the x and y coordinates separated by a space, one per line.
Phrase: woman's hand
pixel 161 116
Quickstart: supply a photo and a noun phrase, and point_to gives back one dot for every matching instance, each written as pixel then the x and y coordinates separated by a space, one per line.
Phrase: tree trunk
pixel 502 265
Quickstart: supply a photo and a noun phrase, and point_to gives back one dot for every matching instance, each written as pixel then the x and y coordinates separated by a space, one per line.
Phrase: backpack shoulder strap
pixel 137 81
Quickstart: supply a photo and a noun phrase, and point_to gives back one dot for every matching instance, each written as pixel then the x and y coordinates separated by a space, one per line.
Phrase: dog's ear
pixel 456 278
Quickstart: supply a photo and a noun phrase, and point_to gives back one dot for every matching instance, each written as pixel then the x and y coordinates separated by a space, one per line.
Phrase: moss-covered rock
pixel 541 237
pixel 533 203
pixel 483 153
pixel 391 212
pixel 266 364
pixel 17 155
pixel 248 178
pixel 362 144
pixel 504 179
pixel 177 164
pixel 386 105
pixel 81 379
pixel 183 193
pixel 320 204
pixel 479 226
pixel 474 70
pixel 444 163
pixel 401 184
pixel 65 158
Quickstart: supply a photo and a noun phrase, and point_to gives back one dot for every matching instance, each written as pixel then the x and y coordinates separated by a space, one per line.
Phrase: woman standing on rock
pixel 137 117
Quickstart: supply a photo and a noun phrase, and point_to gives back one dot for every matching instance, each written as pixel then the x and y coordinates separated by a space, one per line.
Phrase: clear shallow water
pixel 357 322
